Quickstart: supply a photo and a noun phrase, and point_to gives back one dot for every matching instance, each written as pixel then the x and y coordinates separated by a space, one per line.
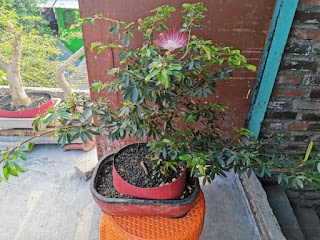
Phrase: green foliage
pixel 165 97
pixel 37 66
pixel 11 167
pixel 28 13
pixel 3 78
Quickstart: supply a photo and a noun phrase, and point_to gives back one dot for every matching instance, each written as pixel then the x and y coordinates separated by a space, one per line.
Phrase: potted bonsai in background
pixel 18 31
pixel 21 33
pixel 165 84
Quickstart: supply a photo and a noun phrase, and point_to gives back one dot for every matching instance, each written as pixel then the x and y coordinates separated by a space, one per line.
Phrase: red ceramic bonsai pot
pixel 140 207
pixel 171 191
pixel 28 113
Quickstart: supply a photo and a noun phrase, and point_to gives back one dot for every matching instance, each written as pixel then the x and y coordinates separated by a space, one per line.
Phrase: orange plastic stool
pixel 188 227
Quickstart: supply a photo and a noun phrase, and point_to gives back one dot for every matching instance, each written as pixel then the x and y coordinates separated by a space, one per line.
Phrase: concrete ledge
pixel 228 214
pixel 266 221
pixel 12 141
pixel 55 92
pixel 282 209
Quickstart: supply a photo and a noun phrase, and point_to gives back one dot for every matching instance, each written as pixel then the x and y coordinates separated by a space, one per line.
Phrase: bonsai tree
pixel 165 84
pixel 28 53
pixel 9 23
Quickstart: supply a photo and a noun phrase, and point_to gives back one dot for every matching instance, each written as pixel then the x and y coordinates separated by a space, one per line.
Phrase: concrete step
pixel 309 222
pixel 12 141
pixel 282 209
pixel 266 221
pixel 228 213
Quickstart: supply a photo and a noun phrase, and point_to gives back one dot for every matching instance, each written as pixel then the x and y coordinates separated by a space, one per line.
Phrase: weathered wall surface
pixel 243 24
pixel 295 102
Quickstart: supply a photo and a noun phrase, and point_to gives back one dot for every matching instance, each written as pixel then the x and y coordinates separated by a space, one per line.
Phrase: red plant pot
pixel 28 113
pixel 140 207
pixel 171 191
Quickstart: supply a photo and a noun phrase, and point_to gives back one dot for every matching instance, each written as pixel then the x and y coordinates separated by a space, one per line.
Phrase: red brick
pixel 289 93
pixel 309 34
pixel 298 127
pixel 310 2
pixel 282 79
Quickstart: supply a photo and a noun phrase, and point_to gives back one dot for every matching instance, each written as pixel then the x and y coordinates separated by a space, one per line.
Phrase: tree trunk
pixel 19 96
pixel 63 83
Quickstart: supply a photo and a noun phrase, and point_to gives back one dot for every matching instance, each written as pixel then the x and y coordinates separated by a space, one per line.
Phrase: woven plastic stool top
pixel 155 228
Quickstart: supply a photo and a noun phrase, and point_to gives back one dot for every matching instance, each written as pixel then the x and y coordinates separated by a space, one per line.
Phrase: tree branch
pixel 4 63
pixel 23 142
pixel 63 83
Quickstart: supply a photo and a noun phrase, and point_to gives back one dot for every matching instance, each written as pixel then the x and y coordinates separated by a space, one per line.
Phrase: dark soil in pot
pixel 105 187
pixel 128 165
pixel 37 99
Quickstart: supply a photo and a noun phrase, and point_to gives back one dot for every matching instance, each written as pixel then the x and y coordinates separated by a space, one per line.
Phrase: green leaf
pixel 185 157
pixel 309 149
pixel 30 146
pixel 173 168
pixel 163 78
pixel 190 119
pixel 127 103
pixel 300 183
pixel 19 169
pixel 208 52
pixel 192 170
pixel 165 140
pixel 113 71
pixel 96 87
pixel 202 170
pixel 112 29
pixel 135 95
pixel 83 137
pixel 23 156
pixel 267 172
pixel 13 171
pixel 126 39
pixel 175 66
pixel 251 67
pixel 318 167
pixel 285 178
pixel 280 178
pixel 93 132
pixel 94 45
pixel 88 135
pixel 187 5
pixel 151 75
pixel 101 49
pixel 139 111
pixel 230 160
pixel 163 26
pixel 6 172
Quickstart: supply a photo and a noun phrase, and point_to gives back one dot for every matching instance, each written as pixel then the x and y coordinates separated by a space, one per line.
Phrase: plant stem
pixel 23 142
pixel 144 168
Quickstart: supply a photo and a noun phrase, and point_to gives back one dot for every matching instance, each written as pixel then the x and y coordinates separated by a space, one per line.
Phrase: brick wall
pixel 294 106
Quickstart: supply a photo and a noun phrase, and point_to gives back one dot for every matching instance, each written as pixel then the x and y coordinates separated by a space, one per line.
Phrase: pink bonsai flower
pixel 171 40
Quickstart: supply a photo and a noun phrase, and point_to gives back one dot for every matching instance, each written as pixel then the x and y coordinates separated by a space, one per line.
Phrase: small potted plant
pixel 165 84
